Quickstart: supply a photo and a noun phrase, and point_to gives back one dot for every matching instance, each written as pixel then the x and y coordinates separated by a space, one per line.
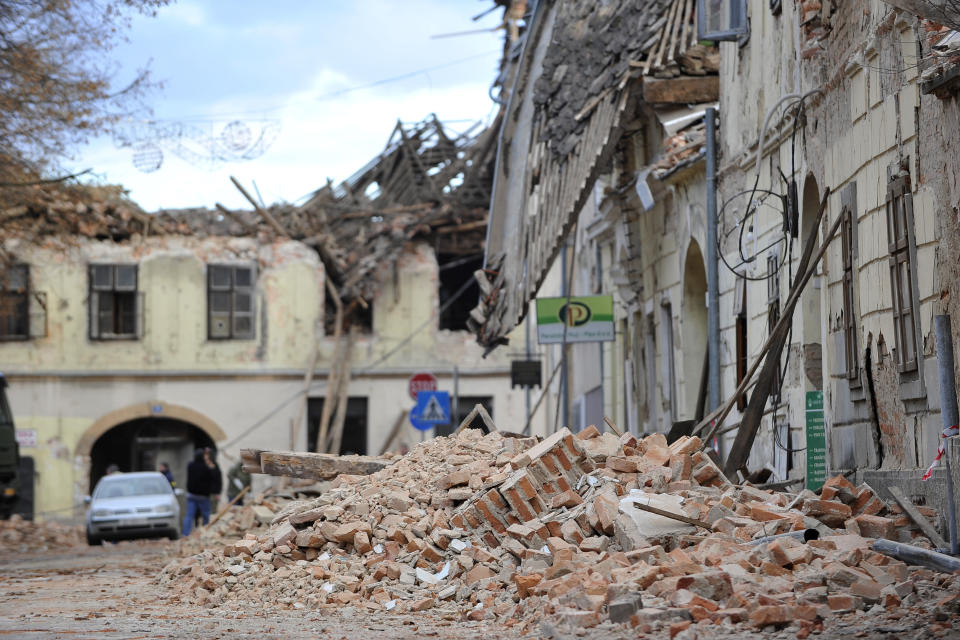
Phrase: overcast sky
pixel 291 67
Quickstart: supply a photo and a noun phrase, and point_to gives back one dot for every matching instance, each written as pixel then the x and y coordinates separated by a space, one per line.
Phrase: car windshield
pixel 124 487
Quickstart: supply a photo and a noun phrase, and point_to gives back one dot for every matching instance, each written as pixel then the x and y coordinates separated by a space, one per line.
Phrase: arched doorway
pixel 141 444
pixel 810 299
pixel 693 323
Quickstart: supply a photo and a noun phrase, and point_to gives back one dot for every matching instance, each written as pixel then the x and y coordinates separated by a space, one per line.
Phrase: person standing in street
pixel 217 487
pixel 164 468
pixel 237 479
pixel 203 480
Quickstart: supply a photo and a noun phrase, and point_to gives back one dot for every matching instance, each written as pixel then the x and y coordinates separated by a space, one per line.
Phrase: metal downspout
pixel 948 411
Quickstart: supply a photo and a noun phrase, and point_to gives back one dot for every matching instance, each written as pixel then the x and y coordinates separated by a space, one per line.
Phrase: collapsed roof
pixel 576 91
pixel 429 183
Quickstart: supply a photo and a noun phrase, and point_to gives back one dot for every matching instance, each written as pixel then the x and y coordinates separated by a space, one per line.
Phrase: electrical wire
pixel 446 305
pixel 263 420
pixel 796 104
pixel 367 369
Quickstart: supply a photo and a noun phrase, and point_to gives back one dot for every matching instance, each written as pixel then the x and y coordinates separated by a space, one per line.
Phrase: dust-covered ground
pixel 112 592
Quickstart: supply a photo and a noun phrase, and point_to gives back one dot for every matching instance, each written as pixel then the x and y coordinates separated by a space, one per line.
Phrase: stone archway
pixel 147 410
pixel 693 328
pixel 126 433
pixel 811 319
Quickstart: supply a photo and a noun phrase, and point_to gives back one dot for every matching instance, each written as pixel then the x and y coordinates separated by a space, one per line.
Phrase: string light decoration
pixel 147 157
pixel 205 144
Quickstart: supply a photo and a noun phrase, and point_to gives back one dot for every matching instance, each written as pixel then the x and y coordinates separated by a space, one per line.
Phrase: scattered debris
pixel 27 536
pixel 526 532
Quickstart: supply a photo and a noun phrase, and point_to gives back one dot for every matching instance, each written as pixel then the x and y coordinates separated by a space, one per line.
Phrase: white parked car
pixel 133 505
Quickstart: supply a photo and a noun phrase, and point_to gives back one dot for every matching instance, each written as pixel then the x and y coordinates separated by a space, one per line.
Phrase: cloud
pixel 188 13
pixel 291 62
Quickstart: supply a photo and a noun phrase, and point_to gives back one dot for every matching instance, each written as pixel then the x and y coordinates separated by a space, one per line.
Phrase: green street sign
pixel 816 441
pixel 587 319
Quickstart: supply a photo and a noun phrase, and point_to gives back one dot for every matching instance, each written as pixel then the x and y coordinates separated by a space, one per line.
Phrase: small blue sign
pixel 157 408
pixel 433 408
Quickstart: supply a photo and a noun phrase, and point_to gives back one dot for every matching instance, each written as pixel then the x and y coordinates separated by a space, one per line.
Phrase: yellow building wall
pixel 172 281
pixel 64 383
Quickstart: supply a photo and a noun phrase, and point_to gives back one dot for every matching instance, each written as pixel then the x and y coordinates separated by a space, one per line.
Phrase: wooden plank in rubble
pixel 301 464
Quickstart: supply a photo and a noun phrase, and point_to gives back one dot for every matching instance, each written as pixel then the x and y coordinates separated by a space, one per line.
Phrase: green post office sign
pixel 587 319
pixel 816 441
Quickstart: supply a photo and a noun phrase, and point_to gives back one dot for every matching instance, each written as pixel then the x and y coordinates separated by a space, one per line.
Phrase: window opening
pixel 230 295
pixel 669 368
pixel 113 301
pixel 354 438
pixel 14 303
pixel 650 367
pixel 740 308
pixel 773 314
pixel 899 224
pixel 722 20
pixel 851 348
pixel 456 271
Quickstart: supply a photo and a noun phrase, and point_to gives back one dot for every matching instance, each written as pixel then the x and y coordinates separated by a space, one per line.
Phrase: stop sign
pixel 421 382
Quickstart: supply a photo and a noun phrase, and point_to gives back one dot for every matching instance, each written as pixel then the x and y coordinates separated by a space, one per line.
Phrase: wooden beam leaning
pixel 395 431
pixel 718 415
pixel 752 416
pixel 316 466
pixel 226 507
pixel 263 212
pixel 924 524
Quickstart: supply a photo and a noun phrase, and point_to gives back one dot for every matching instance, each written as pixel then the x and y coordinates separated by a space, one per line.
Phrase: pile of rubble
pixel 253 517
pixel 25 536
pixel 495 527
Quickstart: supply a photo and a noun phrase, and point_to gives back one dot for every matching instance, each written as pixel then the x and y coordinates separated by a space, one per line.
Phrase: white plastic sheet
pixel 650 524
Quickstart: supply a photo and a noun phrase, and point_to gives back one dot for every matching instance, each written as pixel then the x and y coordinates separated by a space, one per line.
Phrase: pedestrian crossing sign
pixel 433 408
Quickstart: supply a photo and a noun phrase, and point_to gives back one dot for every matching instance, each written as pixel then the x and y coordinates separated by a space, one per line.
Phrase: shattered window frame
pixel 231 301
pixel 15 303
pixel 899 209
pixel 115 303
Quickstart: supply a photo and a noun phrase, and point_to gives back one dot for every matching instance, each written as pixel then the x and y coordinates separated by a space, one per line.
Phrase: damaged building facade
pixel 131 339
pixel 851 102
pixel 610 201
pixel 615 194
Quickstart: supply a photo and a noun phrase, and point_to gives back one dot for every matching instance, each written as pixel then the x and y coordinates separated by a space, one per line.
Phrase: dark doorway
pixel 456 276
pixel 465 405
pixel 24 505
pixel 354 425
pixel 142 444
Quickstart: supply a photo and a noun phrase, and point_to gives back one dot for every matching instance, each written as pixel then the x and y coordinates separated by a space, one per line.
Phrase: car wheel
pixel 93 540
pixel 173 534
